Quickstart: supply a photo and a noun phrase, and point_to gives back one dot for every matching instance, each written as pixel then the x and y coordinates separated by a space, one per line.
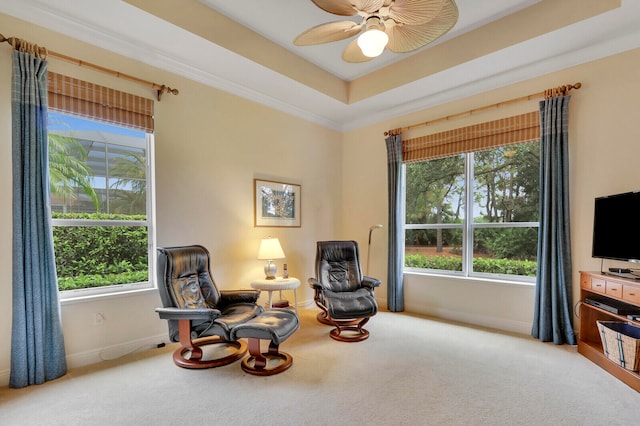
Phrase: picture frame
pixel 276 204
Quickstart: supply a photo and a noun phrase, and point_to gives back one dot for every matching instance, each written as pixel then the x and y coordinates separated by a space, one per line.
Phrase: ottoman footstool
pixel 274 325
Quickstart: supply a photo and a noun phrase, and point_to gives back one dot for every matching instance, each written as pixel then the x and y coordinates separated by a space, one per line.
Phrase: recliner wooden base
pixel 355 332
pixel 257 362
pixel 194 348
pixel 361 334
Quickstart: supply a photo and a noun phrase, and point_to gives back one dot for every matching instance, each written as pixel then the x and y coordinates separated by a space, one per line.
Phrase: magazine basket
pixel 621 343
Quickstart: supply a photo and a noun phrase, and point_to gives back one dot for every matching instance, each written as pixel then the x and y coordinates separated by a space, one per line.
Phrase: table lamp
pixel 270 249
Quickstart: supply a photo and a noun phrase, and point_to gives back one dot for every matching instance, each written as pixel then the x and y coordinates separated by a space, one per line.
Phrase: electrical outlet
pixel 98 318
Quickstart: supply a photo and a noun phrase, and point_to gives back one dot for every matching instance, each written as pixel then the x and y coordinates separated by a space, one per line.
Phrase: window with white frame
pixel 474 213
pixel 101 193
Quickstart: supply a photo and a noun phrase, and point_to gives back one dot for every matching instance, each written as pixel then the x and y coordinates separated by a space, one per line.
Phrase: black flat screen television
pixel 616 227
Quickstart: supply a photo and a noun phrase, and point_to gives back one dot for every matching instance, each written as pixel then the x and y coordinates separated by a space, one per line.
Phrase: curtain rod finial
pixel 168 89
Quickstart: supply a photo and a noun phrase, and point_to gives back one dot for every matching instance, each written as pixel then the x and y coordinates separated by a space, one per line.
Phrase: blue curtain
pixel 553 318
pixel 395 285
pixel 37 343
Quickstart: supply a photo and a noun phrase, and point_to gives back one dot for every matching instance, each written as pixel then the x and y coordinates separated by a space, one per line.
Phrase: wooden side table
pixel 278 284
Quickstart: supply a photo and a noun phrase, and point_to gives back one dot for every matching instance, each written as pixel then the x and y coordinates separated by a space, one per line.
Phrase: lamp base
pixel 270 270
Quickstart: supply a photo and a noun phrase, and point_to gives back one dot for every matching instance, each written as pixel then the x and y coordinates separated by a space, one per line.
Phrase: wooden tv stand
pixel 589 342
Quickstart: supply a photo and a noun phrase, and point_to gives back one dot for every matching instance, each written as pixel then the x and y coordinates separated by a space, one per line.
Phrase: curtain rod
pixel 43 52
pixel 556 91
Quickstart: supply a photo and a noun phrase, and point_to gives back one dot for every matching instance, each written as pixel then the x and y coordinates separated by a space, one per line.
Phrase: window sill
pixel 91 295
pixel 528 282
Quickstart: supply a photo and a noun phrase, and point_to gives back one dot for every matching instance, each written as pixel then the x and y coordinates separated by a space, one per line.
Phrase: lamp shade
pixel 270 249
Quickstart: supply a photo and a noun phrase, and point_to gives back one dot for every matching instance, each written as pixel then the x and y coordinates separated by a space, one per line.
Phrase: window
pixel 101 193
pixel 474 213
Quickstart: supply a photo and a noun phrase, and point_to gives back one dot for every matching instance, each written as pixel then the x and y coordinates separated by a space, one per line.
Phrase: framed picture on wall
pixel 276 204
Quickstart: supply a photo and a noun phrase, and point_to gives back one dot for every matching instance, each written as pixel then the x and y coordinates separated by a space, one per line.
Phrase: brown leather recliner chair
pixel 343 294
pixel 198 313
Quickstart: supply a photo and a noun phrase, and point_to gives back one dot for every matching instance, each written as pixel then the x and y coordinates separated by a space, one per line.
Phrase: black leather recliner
pixel 343 294
pixel 198 313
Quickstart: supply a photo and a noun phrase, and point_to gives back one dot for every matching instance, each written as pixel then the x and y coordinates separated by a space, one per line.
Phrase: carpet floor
pixel 413 370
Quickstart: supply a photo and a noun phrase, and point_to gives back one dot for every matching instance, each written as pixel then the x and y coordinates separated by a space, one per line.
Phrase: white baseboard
pixel 305 304
pixel 95 356
pixel 503 324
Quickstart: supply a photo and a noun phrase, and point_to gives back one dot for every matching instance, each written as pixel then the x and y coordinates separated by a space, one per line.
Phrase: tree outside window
pixel 99 198
pixel 474 213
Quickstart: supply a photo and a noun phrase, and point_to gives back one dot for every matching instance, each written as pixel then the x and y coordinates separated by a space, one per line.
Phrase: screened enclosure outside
pixel 99 201
pixel 498 189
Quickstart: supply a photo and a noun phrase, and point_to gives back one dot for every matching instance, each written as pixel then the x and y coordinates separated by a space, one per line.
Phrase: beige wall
pixel 604 152
pixel 5 210
pixel 209 146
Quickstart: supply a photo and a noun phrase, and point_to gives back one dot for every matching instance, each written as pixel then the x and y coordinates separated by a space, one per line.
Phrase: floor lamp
pixel 369 246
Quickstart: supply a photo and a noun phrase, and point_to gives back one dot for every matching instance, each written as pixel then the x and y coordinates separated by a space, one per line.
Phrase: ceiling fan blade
pixel 350 7
pixel 369 6
pixel 353 53
pixel 416 12
pixel 337 7
pixel 326 33
pixel 405 38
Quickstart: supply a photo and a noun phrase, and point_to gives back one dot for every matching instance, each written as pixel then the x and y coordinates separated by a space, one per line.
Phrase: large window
pixel 474 213
pixel 101 200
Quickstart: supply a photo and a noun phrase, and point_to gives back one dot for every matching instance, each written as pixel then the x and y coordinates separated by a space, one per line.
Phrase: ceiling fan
pixel 398 25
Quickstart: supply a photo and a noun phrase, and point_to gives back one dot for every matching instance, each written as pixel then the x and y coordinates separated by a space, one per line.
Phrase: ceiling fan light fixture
pixel 373 41
pixel 400 26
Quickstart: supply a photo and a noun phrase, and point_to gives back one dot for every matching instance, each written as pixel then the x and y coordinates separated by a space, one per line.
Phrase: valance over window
pixel 88 100
pixel 491 134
